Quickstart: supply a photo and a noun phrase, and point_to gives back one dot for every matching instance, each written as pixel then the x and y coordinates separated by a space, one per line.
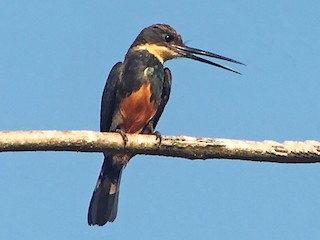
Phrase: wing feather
pixel 108 100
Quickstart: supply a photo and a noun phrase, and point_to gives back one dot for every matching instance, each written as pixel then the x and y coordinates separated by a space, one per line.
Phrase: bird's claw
pixel 158 136
pixel 123 135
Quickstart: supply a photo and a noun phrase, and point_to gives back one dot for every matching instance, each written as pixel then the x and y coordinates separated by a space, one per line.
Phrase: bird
pixel 134 97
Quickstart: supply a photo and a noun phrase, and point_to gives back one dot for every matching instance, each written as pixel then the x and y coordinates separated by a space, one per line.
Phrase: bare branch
pixel 182 146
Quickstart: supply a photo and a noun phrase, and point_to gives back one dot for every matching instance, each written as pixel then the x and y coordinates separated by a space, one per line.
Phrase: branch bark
pixel 181 146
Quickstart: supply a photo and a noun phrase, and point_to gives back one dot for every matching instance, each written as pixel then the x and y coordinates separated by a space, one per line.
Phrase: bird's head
pixel 165 43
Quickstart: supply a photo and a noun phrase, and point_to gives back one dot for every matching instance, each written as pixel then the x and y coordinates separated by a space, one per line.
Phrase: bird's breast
pixel 137 109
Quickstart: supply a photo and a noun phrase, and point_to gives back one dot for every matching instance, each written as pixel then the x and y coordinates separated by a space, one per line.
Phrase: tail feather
pixel 104 202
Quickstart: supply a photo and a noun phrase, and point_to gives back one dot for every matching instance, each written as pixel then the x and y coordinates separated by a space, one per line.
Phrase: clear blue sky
pixel 54 59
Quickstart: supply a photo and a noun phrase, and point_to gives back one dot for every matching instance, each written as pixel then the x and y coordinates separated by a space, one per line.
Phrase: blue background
pixel 54 59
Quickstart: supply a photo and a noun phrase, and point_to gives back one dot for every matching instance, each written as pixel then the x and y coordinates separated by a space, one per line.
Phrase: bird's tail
pixel 104 202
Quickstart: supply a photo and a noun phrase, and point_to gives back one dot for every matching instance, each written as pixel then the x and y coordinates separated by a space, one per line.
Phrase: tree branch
pixel 182 146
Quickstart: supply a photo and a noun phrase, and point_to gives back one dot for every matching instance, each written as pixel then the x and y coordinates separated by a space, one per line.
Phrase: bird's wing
pixel 164 98
pixel 109 97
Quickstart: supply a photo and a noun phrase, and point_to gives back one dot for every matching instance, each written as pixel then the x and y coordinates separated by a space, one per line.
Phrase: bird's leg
pixel 123 135
pixel 149 129
pixel 158 136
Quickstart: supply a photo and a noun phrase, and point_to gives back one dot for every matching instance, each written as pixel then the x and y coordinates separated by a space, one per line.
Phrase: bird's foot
pixel 123 135
pixel 158 136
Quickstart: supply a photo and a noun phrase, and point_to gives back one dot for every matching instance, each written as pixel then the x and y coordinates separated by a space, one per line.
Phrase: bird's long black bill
pixel 189 52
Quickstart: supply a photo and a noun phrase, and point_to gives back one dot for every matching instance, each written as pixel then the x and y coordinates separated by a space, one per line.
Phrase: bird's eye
pixel 168 38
